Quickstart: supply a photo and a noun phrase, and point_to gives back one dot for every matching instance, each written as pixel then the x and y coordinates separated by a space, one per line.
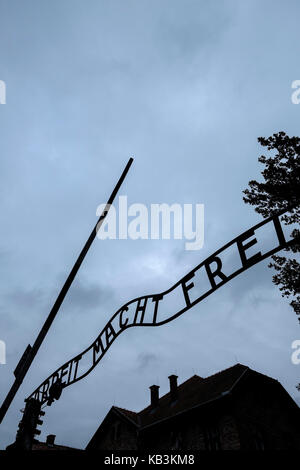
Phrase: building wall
pixel 230 438
pixel 116 435
pixel 215 429
pixel 266 416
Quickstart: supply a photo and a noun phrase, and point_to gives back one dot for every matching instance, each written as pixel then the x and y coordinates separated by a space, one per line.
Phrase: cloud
pixel 85 296
pixel 145 360
pixel 185 87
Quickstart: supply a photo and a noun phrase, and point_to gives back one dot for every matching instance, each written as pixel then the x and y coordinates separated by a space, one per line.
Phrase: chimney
pixel 154 395
pixel 50 440
pixel 173 387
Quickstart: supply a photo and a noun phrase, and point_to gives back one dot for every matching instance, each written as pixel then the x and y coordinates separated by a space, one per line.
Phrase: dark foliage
pixel 281 190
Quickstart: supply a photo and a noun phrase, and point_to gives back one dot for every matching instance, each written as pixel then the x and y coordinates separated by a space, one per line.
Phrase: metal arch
pixel 67 374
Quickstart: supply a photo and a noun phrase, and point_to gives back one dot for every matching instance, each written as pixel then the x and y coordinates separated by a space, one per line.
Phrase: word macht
pixel 154 224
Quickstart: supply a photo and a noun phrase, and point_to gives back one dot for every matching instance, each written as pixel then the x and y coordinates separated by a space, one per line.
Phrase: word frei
pixel 246 250
pixel 2 92
pixel 154 226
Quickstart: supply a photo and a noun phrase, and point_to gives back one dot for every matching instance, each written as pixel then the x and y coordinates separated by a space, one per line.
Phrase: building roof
pixel 131 415
pixel 37 445
pixel 195 391
pixel 44 446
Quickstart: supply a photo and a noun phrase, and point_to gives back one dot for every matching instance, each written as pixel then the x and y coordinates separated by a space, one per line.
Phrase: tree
pixel 281 190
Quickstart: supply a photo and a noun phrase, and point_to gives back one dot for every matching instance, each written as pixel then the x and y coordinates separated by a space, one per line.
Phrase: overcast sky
pixel 186 87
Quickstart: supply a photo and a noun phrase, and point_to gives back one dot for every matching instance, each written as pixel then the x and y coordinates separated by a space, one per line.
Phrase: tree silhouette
pixel 281 190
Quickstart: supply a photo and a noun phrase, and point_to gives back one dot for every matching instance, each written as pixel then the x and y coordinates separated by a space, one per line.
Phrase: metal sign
pixel 152 310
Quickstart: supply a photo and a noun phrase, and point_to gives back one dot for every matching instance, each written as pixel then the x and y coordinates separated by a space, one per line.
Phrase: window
pixel 258 440
pixel 212 438
pixel 115 431
pixel 176 440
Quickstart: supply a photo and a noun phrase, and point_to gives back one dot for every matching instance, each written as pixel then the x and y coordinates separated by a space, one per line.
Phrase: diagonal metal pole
pixel 30 352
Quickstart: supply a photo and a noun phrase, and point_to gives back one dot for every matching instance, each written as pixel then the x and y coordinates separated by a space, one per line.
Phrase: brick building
pixel 236 409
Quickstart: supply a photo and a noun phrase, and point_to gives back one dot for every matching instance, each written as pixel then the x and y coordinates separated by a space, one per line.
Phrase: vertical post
pixel 28 425
pixel 30 353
